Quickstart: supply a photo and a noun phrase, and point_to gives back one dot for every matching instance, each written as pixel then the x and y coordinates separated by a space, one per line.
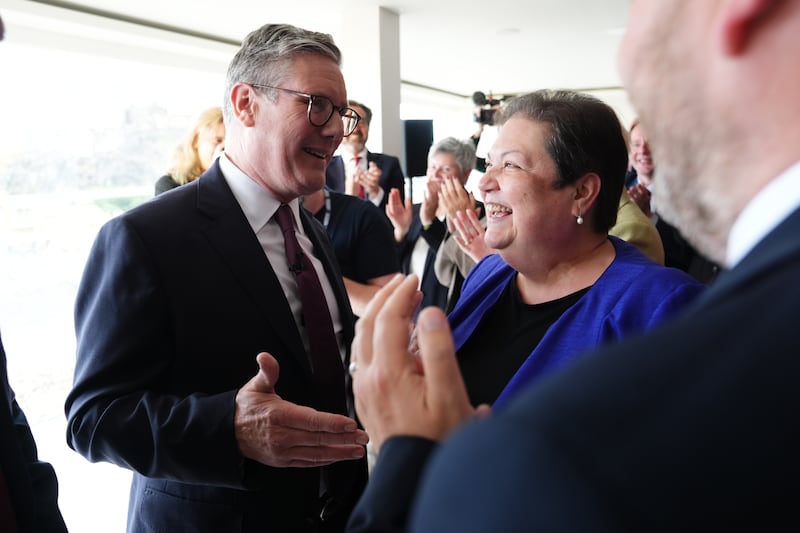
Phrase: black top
pixel 678 253
pixel 504 339
pixel 433 292
pixel 165 183
pixel 362 237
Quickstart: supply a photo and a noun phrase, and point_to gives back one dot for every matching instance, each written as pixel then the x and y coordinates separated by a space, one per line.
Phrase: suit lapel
pixel 378 159
pixel 334 176
pixel 230 233
pixel 779 246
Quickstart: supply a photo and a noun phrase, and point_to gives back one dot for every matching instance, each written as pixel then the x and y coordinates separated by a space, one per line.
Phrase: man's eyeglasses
pixel 321 108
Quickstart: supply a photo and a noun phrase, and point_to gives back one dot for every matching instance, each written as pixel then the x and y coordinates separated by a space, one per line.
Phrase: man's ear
pixel 243 101
pixel 739 20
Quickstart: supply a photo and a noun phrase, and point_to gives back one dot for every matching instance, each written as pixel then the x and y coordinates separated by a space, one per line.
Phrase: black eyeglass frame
pixel 342 110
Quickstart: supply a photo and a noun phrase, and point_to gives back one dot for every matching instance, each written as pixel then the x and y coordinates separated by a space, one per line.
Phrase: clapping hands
pixel 397 392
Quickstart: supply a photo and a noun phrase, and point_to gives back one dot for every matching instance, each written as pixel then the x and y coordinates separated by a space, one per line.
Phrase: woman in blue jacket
pixel 554 283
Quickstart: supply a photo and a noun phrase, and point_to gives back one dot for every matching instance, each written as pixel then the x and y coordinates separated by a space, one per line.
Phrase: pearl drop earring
pixel 579 220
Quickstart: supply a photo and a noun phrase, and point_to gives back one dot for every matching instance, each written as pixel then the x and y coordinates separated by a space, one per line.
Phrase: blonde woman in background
pixel 196 152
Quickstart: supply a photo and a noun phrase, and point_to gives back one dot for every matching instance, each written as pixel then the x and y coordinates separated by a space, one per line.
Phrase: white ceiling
pixel 455 46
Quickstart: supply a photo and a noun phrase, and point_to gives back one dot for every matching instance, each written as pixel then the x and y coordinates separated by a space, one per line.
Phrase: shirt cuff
pixel 377 198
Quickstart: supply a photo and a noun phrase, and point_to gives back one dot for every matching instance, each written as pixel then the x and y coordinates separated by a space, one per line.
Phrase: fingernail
pixel 431 321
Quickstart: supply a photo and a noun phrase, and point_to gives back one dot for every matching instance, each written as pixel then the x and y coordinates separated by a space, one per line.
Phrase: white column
pixel 370 44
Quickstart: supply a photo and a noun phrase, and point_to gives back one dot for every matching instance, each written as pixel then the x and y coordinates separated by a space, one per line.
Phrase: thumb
pixel 484 410
pixel 438 354
pixel 267 377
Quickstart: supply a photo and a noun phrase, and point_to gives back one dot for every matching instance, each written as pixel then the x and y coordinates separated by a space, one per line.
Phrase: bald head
pixel 717 134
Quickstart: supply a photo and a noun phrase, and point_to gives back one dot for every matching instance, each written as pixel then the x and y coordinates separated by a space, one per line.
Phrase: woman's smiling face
pixel 524 210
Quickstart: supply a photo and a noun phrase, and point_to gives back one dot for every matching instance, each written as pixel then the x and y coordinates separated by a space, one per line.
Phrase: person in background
pixel 639 179
pixel 636 228
pixel 420 229
pixel 198 150
pixel 453 263
pixel 691 427
pixel 359 172
pixel 28 486
pixel 678 252
pixel 213 327
pixel 362 240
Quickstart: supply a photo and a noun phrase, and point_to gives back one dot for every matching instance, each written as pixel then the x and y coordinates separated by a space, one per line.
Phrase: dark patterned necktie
pixel 325 357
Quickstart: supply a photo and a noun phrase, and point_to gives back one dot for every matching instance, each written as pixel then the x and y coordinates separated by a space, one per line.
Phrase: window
pixel 84 137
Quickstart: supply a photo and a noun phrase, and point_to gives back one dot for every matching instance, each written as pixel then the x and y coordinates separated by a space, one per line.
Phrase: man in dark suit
pixel 28 486
pixel 368 175
pixel 678 253
pixel 691 427
pixel 182 296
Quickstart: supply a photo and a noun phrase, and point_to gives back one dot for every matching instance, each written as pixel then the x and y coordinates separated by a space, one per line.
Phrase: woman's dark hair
pixel 586 136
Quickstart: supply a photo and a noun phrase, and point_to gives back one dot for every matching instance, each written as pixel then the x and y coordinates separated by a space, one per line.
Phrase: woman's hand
pixel 399 214
pixel 454 197
pixel 469 234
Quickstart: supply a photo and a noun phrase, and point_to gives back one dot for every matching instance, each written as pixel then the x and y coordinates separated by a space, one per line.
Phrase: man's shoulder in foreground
pixel 691 427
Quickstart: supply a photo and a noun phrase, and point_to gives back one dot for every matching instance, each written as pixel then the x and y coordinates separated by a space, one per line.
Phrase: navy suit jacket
pixel 692 427
pixel 176 300
pixel 392 176
pixel 31 483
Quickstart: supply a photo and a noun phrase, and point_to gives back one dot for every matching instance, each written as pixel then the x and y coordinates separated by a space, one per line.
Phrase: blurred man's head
pixel 696 73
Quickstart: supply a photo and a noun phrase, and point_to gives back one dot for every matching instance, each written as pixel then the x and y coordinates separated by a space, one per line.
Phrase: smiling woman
pixel 82 140
pixel 557 284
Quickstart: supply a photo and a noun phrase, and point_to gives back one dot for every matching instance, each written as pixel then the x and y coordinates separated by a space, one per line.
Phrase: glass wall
pixel 84 136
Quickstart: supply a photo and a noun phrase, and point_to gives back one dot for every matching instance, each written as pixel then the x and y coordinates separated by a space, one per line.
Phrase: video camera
pixel 486 107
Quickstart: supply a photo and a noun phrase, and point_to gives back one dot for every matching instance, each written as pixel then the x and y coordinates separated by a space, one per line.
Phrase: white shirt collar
pixel 257 203
pixel 775 202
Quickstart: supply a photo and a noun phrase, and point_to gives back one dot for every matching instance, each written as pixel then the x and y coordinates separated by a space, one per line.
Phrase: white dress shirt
pixel 779 199
pixel 363 164
pixel 259 206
